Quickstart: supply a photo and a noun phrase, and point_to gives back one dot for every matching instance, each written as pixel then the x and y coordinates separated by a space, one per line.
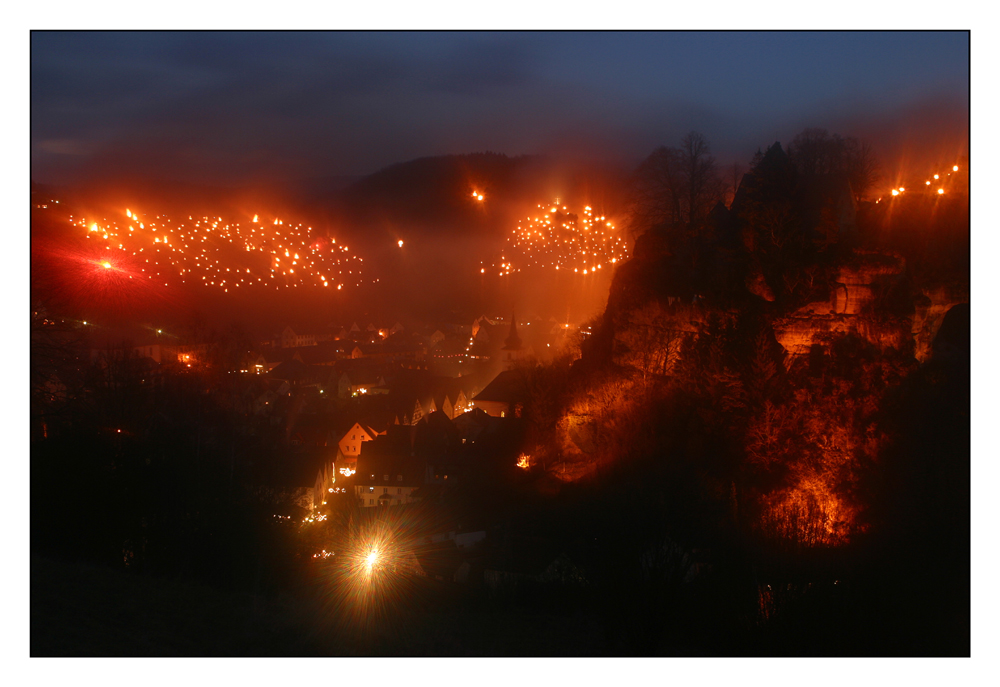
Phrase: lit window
pixel 371 490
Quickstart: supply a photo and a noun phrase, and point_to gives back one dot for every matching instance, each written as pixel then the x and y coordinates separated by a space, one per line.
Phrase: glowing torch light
pixel 400 243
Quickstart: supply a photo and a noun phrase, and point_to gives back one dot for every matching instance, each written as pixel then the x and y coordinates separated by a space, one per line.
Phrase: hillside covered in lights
pixel 556 238
pixel 213 252
pixel 370 243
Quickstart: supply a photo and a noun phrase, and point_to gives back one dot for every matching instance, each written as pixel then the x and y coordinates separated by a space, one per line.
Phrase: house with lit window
pixel 476 423
pixel 359 382
pixel 346 467
pixel 388 472
pixel 289 339
pixel 179 353
pixel 350 443
pixel 502 396
pixel 437 443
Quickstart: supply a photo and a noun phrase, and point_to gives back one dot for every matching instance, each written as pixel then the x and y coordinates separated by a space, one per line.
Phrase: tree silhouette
pixel 816 152
pixel 699 178
pixel 863 167
pixel 675 185
pixel 656 190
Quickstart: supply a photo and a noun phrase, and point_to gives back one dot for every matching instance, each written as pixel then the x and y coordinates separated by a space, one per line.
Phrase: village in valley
pixel 414 464
pixel 375 417
pixel 306 379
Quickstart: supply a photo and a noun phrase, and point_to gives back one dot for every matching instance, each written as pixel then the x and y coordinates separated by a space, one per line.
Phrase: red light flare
pixel 102 281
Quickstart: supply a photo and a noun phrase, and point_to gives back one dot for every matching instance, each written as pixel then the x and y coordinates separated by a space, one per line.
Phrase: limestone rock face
pixel 810 325
pixel 576 433
pixel 931 307
pixel 571 471
pixel 854 288
pixel 886 333
pixel 757 285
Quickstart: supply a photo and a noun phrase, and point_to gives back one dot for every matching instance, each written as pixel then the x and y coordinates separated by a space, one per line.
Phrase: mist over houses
pixel 388 413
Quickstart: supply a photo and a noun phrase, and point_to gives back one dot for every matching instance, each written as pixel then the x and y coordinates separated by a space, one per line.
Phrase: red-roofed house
pixel 350 444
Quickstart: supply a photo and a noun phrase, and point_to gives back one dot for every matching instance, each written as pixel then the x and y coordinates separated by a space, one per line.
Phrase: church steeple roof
pixel 513 341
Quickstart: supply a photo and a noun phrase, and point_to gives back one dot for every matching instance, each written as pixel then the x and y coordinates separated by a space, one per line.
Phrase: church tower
pixel 512 350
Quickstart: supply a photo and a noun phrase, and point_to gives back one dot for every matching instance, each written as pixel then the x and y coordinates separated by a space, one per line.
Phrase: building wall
pixel 154 351
pixel 494 408
pixel 289 339
pixel 369 495
pixel 350 445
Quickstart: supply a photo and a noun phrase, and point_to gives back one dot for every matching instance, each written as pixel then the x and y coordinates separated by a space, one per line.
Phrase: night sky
pixel 231 108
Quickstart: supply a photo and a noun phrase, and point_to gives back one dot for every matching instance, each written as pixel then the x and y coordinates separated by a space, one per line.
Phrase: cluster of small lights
pixel 936 182
pixel 223 254
pixel 554 238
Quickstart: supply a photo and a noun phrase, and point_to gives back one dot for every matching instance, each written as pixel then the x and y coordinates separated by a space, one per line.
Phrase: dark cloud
pixel 491 67
pixel 227 106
